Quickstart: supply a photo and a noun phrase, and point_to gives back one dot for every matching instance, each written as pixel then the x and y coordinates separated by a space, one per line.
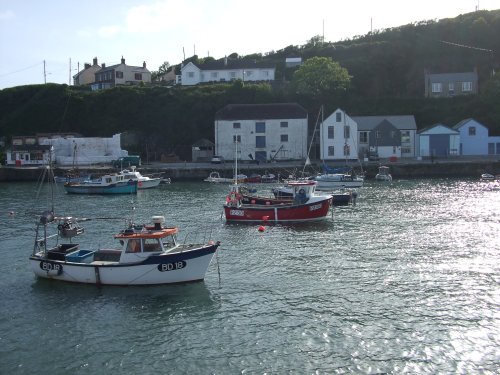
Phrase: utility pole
pixel 69 78
pixel 44 73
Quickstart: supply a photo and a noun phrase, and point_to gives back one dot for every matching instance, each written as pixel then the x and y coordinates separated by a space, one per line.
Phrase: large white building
pixel 263 132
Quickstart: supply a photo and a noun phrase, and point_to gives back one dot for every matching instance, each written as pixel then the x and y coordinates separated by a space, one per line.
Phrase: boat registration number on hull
pixel 171 266
pixel 52 268
pixel 315 207
pixel 237 212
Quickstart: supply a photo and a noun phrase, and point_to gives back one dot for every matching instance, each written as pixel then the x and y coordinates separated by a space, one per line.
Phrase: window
pixel 363 137
pixel 232 75
pixel 451 87
pixel 466 86
pixel 472 130
pixel 138 76
pixel 347 132
pixel 331 151
pixel 405 136
pixel 119 74
pixel 236 125
pixel 406 150
pixel 191 74
pixel 330 132
pixel 436 87
pixel 237 138
pixel 214 74
pixel 338 117
pixel 284 124
pixel 265 73
pixel 260 127
pixel 260 141
pixel 133 246
pixel 152 244
pixel 377 134
pixel 284 137
pixel 248 73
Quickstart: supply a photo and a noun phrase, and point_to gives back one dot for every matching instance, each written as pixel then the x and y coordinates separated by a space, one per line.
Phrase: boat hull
pixel 148 184
pixel 316 210
pixel 125 187
pixel 179 267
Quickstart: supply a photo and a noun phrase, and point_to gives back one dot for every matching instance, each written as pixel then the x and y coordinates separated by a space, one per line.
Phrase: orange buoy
pixel 261 228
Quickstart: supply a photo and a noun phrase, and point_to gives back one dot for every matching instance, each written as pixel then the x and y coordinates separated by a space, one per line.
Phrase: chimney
pixel 87 65
pixel 123 61
pixel 225 60
pixel 95 60
pixel 103 65
pixel 144 64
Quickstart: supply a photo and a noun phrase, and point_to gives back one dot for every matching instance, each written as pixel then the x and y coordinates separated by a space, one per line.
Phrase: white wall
pixel 87 151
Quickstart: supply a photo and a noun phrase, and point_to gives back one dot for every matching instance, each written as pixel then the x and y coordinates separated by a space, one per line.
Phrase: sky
pixel 49 40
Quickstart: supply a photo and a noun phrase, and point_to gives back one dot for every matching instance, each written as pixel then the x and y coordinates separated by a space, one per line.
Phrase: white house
pixel 226 70
pixel 263 131
pixel 338 135
pixel 474 138
pixel 438 140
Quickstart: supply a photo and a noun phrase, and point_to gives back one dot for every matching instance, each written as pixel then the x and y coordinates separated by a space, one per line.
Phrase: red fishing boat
pixel 305 205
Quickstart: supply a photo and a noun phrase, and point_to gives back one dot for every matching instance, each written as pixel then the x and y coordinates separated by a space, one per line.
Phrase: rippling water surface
pixel 406 281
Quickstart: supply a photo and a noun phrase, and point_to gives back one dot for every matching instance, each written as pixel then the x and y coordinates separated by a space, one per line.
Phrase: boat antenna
pixel 312 138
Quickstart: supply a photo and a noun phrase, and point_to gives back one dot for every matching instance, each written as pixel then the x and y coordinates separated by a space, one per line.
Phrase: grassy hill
pixel 387 69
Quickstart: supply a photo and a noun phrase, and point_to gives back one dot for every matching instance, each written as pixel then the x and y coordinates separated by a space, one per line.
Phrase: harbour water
pixel 406 281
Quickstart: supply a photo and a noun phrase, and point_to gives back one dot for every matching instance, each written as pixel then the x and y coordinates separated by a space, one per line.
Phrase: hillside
pixel 387 69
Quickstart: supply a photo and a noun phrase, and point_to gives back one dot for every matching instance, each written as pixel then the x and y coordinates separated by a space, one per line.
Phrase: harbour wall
pixel 199 171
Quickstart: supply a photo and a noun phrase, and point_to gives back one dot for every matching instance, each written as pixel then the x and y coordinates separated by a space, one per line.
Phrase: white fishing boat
pixel 332 181
pixel 143 255
pixel 215 177
pixel 383 174
pixel 143 182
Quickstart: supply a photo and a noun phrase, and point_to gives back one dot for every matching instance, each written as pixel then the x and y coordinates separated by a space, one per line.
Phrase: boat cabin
pixel 136 243
pixel 302 190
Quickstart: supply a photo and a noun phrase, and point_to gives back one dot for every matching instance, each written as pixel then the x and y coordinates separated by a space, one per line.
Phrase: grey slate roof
pixel 463 122
pixel 403 122
pixel 261 111
pixel 453 77
pixel 435 126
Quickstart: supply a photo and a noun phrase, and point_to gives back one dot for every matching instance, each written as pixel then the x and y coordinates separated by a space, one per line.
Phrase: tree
pixel 320 77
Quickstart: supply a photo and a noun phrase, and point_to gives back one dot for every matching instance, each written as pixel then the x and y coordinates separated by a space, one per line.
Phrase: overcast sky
pixel 154 31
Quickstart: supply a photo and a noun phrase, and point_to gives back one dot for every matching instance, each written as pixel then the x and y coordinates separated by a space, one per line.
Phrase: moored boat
pixel 383 174
pixel 144 255
pixel 107 184
pixel 305 205
pixel 143 182
pixel 339 197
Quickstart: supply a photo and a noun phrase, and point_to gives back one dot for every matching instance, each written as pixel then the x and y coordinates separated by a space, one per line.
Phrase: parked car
pixel 217 159
pixel 127 161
